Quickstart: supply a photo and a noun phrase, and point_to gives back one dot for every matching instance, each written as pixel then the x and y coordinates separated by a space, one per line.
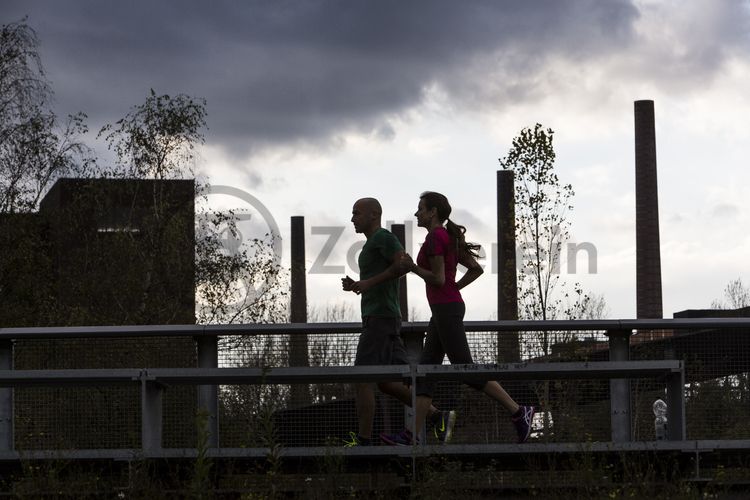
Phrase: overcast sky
pixel 313 104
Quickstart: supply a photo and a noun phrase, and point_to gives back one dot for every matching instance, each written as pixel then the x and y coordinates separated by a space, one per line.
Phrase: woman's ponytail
pixel 457 233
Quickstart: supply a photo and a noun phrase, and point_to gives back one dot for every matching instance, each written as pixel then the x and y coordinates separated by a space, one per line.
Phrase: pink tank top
pixel 438 242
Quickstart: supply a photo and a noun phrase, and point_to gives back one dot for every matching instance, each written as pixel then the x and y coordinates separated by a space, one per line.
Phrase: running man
pixel 380 342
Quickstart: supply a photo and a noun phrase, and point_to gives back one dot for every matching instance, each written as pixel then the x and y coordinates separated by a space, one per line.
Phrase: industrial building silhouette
pixel 100 252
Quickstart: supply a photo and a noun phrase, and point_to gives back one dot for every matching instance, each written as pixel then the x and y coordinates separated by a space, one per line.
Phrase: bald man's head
pixel 370 204
pixel 366 215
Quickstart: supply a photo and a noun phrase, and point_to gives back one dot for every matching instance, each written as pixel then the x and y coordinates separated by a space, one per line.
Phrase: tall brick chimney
pixel 648 256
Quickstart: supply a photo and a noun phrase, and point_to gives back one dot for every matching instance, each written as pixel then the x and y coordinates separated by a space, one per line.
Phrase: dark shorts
pixel 445 335
pixel 380 342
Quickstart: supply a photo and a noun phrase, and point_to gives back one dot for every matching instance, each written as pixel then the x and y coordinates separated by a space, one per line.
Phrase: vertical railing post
pixel 676 404
pixel 413 341
pixel 6 398
pixel 151 415
pixel 619 389
pixel 412 418
pixel 208 395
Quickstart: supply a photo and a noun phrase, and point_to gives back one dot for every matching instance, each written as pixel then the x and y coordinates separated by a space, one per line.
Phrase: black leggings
pixel 445 335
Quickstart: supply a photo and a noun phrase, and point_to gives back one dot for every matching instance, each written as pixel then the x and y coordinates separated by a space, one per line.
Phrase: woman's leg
pixel 450 325
pixel 424 407
pixel 433 353
pixel 494 390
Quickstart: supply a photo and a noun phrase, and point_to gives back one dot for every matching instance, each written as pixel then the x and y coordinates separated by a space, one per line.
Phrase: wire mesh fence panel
pixel 102 416
pixel 567 410
pixel 77 418
pixel 261 416
pixel 717 382
pixel 324 349
pixel 290 415
pixel 717 390
pixel 180 416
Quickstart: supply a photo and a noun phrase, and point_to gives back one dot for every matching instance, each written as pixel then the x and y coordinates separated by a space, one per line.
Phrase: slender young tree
pixel 542 204
pixel 159 140
pixel 35 149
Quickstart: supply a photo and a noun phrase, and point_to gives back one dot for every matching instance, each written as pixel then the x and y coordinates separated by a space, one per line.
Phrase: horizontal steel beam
pixel 470 450
pixel 340 374
pixel 81 377
pixel 544 371
pixel 282 375
pixel 601 326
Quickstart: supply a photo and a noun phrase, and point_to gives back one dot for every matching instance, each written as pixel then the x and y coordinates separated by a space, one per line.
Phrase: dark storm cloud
pixel 280 71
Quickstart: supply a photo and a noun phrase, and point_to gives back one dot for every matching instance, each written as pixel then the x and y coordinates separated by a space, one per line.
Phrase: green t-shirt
pixel 377 256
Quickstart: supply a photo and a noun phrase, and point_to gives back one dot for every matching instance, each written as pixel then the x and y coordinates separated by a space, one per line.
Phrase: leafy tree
pixel 34 152
pixel 158 139
pixel 34 149
pixel 542 203
pixel 245 285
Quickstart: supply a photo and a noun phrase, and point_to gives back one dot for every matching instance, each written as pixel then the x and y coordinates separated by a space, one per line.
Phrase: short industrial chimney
pixel 648 255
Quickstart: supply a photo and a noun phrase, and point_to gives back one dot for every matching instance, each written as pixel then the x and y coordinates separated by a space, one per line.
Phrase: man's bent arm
pixel 394 271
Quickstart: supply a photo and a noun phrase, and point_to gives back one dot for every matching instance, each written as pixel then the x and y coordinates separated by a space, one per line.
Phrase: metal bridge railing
pixel 241 368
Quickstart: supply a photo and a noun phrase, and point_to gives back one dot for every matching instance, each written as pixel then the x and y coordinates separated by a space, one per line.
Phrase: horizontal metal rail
pixel 546 371
pixel 76 377
pixel 154 381
pixel 282 375
pixel 693 447
pixel 329 328
pixel 342 374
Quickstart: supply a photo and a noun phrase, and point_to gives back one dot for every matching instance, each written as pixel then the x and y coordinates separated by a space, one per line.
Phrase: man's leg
pixel 424 408
pixel 365 409
pixel 368 352
pixel 402 392
pixel 398 390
